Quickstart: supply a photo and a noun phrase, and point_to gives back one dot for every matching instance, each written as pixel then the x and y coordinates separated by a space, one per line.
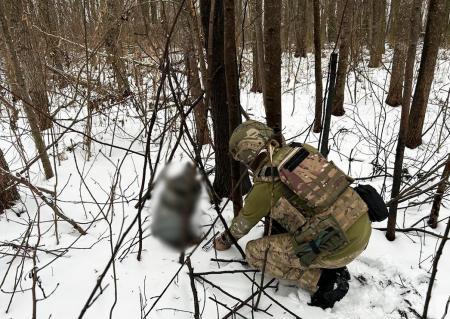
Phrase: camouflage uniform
pixel 283 260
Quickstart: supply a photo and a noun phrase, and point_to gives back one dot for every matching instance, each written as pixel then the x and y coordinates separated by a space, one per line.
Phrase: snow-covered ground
pixel 389 279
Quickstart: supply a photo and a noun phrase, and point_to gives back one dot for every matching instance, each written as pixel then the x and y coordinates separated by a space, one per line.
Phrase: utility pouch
pixel 288 216
pixel 310 245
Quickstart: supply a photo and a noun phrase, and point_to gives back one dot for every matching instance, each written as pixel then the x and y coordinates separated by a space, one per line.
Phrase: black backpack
pixel 377 208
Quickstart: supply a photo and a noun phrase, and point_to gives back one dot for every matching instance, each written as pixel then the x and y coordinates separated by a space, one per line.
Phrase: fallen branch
pixel 20 179
pixel 406 230
pixel 247 300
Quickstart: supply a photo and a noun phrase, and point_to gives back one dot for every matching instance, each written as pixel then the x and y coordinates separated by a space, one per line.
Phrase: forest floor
pixel 389 279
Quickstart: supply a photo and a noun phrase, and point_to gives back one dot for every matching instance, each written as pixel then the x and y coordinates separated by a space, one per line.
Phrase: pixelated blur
pixel 175 210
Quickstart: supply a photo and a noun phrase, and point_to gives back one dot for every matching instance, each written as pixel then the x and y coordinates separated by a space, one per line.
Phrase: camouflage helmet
pixel 248 140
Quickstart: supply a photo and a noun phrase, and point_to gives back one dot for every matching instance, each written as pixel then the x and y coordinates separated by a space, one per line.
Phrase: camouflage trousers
pixel 282 262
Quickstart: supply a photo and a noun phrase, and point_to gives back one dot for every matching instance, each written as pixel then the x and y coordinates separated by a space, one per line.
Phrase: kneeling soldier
pixel 324 223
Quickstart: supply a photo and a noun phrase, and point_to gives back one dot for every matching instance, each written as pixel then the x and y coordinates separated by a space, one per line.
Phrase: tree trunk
pixel 21 85
pixel 112 46
pixel 30 63
pixel 8 190
pixel 256 67
pixel 219 109
pixel 260 44
pixel 272 43
pixel 318 68
pixel 377 44
pixel 301 29
pixel 50 24
pixel 430 51
pixel 404 121
pixel 395 96
pixel 344 50
pixel 232 95
pixel 434 215
pixel 394 15
pixel 331 20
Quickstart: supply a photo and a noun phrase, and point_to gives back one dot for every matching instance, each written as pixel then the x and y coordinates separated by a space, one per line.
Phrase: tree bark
pixel 232 95
pixel 404 121
pixel 219 109
pixel 430 51
pixel 394 17
pixel 8 190
pixel 256 67
pixel 318 68
pixel 50 24
pixel 395 94
pixel 301 29
pixel 331 20
pixel 377 44
pixel 113 47
pixel 260 44
pixel 30 64
pixel 344 50
pixel 272 43
pixel 24 94
pixel 434 215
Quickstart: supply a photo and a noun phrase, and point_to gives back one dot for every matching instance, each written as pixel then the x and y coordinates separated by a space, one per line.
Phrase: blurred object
pixel 176 205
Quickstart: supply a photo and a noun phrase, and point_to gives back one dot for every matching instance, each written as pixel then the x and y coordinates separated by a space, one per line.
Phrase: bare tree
pixel 232 95
pixel 318 68
pixel 24 93
pixel 272 49
pixel 377 43
pixel 30 62
pixel 344 51
pixel 433 33
pixel 434 215
pixel 404 121
pixel 8 189
pixel 395 96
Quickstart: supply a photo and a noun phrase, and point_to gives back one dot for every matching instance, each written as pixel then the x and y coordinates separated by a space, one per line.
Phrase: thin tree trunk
pixel 113 47
pixel 395 95
pixel 331 20
pixel 272 43
pixel 31 64
pixel 48 11
pixel 318 68
pixel 434 215
pixel 232 94
pixel 430 51
pixel 24 94
pixel 344 51
pixel 256 67
pixel 219 109
pixel 404 121
pixel 8 189
pixel 394 16
pixel 260 44
pixel 377 44
pixel 301 29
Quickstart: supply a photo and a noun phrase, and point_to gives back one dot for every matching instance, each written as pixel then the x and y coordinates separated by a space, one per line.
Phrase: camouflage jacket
pixel 258 202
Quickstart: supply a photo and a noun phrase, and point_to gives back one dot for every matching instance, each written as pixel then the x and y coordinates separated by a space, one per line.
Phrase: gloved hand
pixel 220 243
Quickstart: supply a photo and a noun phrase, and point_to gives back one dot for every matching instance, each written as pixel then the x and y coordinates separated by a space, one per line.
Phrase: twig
pixel 194 290
pixel 247 300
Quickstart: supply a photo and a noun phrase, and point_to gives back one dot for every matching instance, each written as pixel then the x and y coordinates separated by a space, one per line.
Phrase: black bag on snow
pixel 377 208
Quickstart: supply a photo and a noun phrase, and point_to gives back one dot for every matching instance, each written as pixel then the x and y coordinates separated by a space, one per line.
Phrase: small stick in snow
pixel 194 290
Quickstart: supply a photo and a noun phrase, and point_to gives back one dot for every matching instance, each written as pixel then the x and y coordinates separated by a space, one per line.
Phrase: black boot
pixel 333 286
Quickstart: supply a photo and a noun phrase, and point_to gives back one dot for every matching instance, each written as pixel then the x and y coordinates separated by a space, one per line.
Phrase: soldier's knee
pixel 251 253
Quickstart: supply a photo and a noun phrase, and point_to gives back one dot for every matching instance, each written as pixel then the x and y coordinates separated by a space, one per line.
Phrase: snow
pixel 389 279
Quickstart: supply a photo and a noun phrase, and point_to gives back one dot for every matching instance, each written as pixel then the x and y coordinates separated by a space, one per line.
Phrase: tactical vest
pixel 333 206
